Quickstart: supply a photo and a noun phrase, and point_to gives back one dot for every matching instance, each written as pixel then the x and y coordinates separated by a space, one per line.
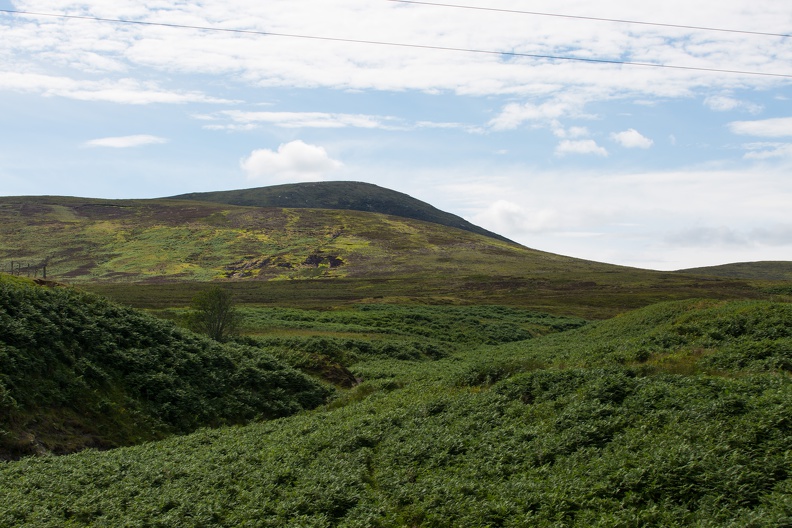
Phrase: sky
pixel 476 107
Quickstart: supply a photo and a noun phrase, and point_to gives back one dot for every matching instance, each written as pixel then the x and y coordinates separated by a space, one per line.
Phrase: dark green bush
pixel 101 364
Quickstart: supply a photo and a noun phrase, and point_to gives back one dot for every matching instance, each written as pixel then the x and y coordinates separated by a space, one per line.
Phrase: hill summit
pixel 343 195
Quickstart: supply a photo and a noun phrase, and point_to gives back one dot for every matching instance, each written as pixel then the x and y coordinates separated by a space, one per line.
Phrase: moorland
pixel 393 367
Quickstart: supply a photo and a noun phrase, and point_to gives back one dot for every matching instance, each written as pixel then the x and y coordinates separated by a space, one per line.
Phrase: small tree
pixel 214 314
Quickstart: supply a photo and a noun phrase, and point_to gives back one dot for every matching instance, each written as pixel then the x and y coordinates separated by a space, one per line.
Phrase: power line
pixel 597 19
pixel 403 45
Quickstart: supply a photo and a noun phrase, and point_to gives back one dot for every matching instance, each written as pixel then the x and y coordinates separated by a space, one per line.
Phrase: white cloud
pixel 310 119
pixel 577 132
pixel 777 127
pixel 505 216
pixel 701 237
pixel 724 103
pixel 568 133
pixel 122 91
pixel 294 161
pixel 632 139
pixel 584 146
pixel 243 120
pixel 764 151
pixel 447 126
pixel 126 141
pixel 513 115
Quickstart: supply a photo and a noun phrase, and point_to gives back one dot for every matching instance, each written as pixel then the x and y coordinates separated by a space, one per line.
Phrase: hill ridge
pixel 773 270
pixel 343 195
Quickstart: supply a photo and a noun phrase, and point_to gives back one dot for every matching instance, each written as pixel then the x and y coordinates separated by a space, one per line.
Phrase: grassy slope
pixel 78 371
pixel 352 196
pixel 156 240
pixel 673 415
pixel 154 253
pixel 767 270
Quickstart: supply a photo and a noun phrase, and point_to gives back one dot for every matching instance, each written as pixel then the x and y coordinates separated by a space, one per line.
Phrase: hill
pixel 78 371
pixel 768 270
pixel 156 253
pixel 348 196
pixel 670 416
pixel 89 240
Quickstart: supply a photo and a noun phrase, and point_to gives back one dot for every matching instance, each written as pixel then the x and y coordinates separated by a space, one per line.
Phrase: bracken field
pixel 678 414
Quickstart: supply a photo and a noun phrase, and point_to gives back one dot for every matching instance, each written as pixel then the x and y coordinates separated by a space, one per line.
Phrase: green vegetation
pixel 673 415
pixel 454 325
pixel 327 343
pixel 78 371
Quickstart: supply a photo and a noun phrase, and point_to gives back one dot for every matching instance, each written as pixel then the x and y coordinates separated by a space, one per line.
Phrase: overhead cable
pixel 403 45
pixel 596 19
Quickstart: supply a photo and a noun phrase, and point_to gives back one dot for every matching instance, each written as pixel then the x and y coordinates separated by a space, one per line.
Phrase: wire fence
pixel 28 269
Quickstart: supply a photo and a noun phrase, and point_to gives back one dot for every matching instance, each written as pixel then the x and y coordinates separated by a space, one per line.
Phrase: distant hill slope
pixel 78 371
pixel 351 196
pixel 766 270
pixel 314 258
pixel 88 240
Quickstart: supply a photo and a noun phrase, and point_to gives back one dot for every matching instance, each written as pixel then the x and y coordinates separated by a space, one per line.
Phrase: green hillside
pixel 769 270
pixel 673 415
pixel 156 253
pixel 172 241
pixel 77 371
pixel 350 196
